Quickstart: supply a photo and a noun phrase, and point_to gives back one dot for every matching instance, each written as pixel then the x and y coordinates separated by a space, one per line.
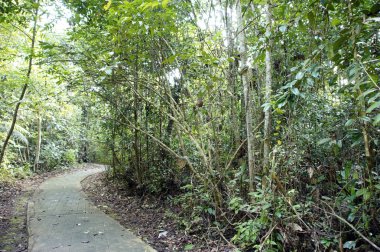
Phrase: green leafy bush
pixel 5 174
pixel 21 172
pixel 70 157
pixel 51 155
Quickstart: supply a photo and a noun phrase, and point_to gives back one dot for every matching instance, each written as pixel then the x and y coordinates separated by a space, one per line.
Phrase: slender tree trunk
pixel 25 87
pixel 245 72
pixel 113 136
pixel 38 147
pixel 148 156
pixel 362 107
pixel 231 79
pixel 84 157
pixel 268 90
pixel 136 143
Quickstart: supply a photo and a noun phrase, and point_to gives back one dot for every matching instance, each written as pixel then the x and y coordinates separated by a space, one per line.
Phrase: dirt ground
pixel 150 218
pixel 13 234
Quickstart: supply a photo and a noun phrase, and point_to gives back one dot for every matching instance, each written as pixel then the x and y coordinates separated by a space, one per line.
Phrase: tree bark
pixel 38 147
pixel 268 90
pixel 231 78
pixel 245 72
pixel 362 108
pixel 25 87
pixel 136 143
pixel 84 155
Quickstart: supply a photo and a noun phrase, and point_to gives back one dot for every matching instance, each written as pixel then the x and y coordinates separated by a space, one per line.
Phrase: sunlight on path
pixel 61 219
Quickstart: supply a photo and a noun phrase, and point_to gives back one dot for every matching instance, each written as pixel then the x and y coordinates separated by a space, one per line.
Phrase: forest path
pixel 60 218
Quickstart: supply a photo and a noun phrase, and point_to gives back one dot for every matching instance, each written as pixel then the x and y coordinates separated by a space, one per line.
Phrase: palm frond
pixel 19 133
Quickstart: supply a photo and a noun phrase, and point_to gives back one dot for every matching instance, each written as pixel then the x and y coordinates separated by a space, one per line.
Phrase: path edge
pixel 147 247
pixel 29 213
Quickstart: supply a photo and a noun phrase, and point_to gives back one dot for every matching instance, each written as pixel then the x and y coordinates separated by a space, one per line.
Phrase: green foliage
pixel 154 89
pixel 51 155
pixel 70 157
pixel 359 199
pixel 21 172
pixel 5 174
pixel 10 172
pixel 195 202
pixel 188 247
pixel 263 229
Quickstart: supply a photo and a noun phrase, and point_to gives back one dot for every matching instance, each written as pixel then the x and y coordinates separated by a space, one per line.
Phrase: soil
pixel 14 196
pixel 10 219
pixel 150 218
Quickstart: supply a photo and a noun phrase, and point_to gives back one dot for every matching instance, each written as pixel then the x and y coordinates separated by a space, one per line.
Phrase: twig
pixel 369 76
pixel 225 239
pixel 237 150
pixel 26 34
pixel 266 237
pixel 350 225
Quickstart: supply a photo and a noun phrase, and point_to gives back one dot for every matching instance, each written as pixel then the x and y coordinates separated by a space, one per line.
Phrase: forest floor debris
pixel 13 235
pixel 148 217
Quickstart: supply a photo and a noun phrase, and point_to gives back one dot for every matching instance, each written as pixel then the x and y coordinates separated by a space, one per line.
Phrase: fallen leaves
pixel 163 234
pixel 147 217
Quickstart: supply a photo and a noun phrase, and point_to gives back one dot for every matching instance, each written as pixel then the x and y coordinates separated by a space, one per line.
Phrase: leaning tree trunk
pixel 245 72
pixel 25 87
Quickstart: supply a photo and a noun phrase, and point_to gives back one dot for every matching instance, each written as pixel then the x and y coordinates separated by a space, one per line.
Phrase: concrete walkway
pixel 61 219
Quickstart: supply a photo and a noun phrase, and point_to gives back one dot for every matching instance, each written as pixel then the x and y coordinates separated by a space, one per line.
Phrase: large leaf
pixel 108 5
pixel 324 140
pixel 376 119
pixel 373 106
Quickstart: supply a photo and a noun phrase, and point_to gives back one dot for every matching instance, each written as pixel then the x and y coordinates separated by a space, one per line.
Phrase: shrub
pixel 70 157
pixel 51 156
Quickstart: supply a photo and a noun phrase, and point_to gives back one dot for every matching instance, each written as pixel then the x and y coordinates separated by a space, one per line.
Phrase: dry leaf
pixel 295 227
pixel 311 172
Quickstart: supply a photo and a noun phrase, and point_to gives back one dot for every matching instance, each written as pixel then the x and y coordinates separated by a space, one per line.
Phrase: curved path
pixel 61 219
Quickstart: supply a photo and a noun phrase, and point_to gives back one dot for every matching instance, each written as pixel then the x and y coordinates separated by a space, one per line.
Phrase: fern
pixel 19 133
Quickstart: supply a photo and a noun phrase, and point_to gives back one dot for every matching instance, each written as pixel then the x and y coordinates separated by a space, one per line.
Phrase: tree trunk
pixel 362 108
pixel 136 144
pixel 38 147
pixel 231 79
pixel 245 72
pixel 84 157
pixel 25 87
pixel 268 91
